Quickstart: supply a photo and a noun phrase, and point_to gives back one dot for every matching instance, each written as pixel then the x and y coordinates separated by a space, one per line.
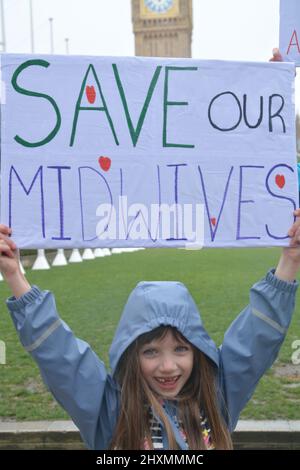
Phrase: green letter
pixel 102 108
pixel 23 91
pixel 173 103
pixel 136 132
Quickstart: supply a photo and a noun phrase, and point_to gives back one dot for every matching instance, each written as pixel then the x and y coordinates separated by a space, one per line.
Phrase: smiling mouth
pixel 167 380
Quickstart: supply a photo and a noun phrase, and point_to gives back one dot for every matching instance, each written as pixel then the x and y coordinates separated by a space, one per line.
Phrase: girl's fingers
pixel 9 241
pixel 5 250
pixel 294 233
pixel 5 233
pixel 292 230
pixel 277 57
pixel 296 224
pixel 5 229
pixel 295 241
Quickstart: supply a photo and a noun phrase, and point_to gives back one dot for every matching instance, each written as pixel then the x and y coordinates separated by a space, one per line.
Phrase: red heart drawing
pixel 280 181
pixel 213 221
pixel 90 94
pixel 104 163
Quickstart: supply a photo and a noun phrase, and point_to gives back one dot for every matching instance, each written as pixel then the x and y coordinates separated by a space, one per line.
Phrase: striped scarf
pixel 156 433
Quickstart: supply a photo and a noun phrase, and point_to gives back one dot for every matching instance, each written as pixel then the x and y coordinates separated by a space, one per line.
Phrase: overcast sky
pixel 223 29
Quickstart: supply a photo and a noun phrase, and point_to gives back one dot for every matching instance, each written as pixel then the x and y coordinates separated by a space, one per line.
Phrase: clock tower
pixel 162 28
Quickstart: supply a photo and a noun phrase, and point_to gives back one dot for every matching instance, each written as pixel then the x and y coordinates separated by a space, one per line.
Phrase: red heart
pixel 90 94
pixel 104 163
pixel 280 181
pixel 213 221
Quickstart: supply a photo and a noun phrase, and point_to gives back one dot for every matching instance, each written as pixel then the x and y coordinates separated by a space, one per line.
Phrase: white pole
pixel 75 256
pixel 67 45
pixel 51 36
pixel 88 254
pixel 116 251
pixel 41 261
pixel 60 259
pixel 31 26
pixel 98 252
pixel 3 42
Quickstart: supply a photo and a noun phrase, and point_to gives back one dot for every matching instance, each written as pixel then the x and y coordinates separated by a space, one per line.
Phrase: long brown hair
pixel 199 392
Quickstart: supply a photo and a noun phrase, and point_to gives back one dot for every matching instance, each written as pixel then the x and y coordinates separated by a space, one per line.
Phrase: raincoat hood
pixel 163 303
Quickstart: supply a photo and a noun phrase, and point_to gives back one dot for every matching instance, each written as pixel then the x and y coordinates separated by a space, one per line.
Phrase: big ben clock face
pixel 159 8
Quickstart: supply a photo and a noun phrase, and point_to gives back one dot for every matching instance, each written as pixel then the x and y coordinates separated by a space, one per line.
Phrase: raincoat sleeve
pixel 253 340
pixel 71 370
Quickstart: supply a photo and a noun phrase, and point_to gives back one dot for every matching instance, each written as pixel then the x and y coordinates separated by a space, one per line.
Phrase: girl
pixel 170 387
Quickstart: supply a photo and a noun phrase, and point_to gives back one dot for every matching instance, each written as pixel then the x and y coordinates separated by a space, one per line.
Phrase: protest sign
pixel 289 43
pixel 106 151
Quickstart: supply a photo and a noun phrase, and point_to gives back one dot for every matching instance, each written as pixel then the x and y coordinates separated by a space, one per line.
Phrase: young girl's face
pixel 166 364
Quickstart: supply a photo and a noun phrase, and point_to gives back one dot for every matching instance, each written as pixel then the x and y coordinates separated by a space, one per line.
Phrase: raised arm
pixel 252 342
pixel 71 370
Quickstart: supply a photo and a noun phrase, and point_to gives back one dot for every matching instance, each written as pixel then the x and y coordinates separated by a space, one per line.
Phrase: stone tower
pixel 162 28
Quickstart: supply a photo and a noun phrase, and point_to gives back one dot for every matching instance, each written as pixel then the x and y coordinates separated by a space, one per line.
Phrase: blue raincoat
pixel 80 382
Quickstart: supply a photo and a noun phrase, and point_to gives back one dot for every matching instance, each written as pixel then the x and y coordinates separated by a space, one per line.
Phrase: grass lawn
pixel 90 297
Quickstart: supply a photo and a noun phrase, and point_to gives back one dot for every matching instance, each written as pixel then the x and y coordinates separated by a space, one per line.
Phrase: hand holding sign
pixel 289 263
pixel 9 263
pixel 277 57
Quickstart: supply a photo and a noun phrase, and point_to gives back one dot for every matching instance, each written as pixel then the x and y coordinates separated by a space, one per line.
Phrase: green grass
pixel 90 297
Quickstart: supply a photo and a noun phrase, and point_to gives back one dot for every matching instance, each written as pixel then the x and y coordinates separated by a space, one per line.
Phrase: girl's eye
pixel 181 349
pixel 150 352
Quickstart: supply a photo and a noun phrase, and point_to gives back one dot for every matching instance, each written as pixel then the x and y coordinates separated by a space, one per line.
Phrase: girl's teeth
pixel 173 379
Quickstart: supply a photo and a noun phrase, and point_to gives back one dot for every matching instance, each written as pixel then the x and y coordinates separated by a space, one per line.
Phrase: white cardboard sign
pixel 289 43
pixel 108 151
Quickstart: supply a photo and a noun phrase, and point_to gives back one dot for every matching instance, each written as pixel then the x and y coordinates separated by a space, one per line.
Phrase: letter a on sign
pixel 290 30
